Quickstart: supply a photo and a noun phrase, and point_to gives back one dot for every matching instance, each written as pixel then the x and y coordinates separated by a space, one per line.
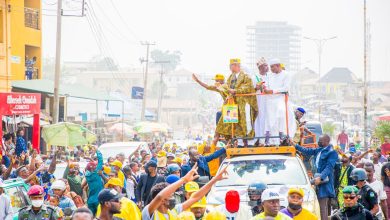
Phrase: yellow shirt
pixel 121 176
pixel 129 210
pixel 305 215
pixel 214 164
pixel 280 216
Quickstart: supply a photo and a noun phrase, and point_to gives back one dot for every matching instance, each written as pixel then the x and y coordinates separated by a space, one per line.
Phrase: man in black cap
pixel 109 200
pixel 146 182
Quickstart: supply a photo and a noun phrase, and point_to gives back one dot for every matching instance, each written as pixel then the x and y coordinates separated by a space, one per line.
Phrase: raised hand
pixel 192 174
pixel 222 174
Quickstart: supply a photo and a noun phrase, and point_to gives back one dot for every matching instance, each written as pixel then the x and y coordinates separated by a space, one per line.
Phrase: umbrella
pixel 150 127
pixel 384 118
pixel 67 134
pixel 117 128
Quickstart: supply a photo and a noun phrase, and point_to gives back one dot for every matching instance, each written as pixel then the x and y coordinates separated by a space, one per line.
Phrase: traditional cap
pixel 234 61
pixel 219 77
pixel 116 163
pixel 58 184
pixel 191 187
pixel 274 61
pixel 35 190
pixel 161 153
pixel 90 165
pixel 261 61
pixel 200 204
pixel 301 110
pixel 299 191
pixel 172 178
pixel 269 194
pixel 113 182
pixel 108 194
pixel 350 190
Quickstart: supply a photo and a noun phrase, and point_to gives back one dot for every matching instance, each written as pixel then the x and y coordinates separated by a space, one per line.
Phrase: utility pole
pixel 147 44
pixel 161 92
pixel 320 44
pixel 365 78
pixel 56 103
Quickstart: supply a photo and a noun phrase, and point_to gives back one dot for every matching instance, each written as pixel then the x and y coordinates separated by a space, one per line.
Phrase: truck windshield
pixel 270 171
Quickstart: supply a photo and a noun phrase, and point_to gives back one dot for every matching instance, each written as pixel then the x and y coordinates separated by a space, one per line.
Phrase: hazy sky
pixel 208 33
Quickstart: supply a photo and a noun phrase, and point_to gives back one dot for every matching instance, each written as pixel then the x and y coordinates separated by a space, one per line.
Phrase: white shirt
pixel 130 188
pixel 279 82
pixel 378 187
pixel 377 168
pixel 243 213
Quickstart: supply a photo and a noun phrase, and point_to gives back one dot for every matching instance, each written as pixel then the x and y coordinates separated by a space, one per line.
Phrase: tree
pixel 382 129
pixel 329 128
pixel 174 58
pixel 104 63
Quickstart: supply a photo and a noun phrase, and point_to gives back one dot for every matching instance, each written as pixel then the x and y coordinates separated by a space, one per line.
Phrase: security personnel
pixel 368 197
pixel 254 192
pixel 352 209
pixel 38 210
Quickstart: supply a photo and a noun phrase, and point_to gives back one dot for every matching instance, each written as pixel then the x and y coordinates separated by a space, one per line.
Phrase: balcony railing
pixel 31 18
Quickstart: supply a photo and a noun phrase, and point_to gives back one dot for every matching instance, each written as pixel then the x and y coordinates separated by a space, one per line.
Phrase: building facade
pixel 272 39
pixel 20 41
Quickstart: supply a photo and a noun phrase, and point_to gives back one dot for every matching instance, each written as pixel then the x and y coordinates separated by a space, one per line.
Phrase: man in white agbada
pixel 261 82
pixel 275 108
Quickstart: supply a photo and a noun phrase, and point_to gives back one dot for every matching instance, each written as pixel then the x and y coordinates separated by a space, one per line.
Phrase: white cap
pixel 274 61
pixel 269 194
pixel 58 184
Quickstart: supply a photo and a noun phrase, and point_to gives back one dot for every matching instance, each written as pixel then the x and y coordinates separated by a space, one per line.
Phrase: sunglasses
pixel 350 197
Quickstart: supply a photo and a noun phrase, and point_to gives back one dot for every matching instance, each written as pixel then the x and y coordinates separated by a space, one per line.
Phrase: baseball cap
pixel 35 190
pixel 113 182
pixel 116 163
pixel 108 194
pixel 269 194
pixel 191 187
pixel 200 203
pixel 172 178
pixel 299 191
pixel 170 155
pixel 161 153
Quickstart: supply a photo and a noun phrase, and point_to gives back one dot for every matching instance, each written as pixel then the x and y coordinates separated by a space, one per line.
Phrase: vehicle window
pixel 17 198
pixel 270 171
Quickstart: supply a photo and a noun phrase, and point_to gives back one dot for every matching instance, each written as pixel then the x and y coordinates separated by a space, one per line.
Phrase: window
pixel 18 197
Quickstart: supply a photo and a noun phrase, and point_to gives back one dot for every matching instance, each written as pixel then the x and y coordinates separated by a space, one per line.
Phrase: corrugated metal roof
pixel 75 90
pixel 339 75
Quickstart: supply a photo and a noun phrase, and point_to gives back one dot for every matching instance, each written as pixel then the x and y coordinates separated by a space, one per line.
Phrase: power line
pixel 123 20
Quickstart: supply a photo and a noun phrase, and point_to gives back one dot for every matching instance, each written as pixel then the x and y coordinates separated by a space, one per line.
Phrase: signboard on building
pixel 20 103
pixel 137 92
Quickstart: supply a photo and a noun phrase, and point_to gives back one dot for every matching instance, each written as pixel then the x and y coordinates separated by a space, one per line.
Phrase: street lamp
pixel 320 42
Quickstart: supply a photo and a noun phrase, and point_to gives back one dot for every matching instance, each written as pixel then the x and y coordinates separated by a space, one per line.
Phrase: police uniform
pixel 46 212
pixel 358 212
pixel 368 197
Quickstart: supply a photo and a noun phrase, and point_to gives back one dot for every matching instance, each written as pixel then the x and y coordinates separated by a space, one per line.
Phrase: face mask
pixel 294 206
pixel 320 144
pixel 37 203
pixel 171 203
pixel 254 203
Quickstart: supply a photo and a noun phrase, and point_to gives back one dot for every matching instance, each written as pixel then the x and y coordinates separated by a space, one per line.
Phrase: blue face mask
pixel 320 144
